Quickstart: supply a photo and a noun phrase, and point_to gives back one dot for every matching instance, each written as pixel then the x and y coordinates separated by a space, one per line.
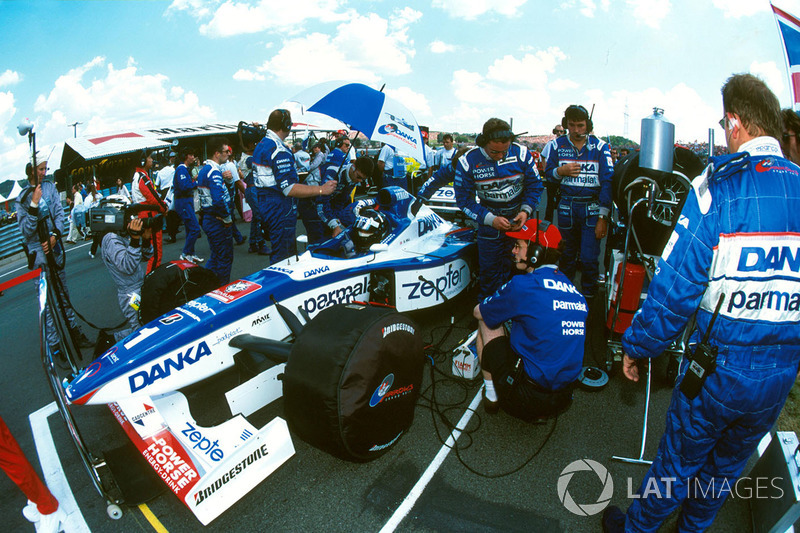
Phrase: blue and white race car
pixel 400 254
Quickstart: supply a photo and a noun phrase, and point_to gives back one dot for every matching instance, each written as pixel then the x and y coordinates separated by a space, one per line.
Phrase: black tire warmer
pixel 353 379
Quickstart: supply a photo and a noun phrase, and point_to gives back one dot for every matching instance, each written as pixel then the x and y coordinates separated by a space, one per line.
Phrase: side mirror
pixel 379 247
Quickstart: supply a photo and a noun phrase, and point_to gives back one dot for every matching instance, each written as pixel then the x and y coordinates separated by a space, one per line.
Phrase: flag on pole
pixel 789 28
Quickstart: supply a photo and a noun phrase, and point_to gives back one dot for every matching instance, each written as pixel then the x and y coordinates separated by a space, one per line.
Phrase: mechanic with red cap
pixel 530 372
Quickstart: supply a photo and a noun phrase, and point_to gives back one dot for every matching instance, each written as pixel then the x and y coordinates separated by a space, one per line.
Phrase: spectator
pixel 93 200
pixel 301 157
pixel 445 154
pixel 77 210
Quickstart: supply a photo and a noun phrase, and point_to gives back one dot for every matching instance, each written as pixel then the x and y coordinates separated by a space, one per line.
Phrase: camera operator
pixel 123 255
pixel 40 203
pixel 529 373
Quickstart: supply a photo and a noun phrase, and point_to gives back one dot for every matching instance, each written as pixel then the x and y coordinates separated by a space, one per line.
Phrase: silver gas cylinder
pixel 658 142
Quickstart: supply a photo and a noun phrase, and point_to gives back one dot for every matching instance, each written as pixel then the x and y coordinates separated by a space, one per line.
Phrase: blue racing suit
pixel 738 236
pixel 444 175
pixel 505 188
pixel 183 189
pixel 583 199
pixel 333 210
pixel 217 220
pixel 275 175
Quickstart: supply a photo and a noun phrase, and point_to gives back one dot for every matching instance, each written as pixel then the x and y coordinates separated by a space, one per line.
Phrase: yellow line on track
pixel 157 525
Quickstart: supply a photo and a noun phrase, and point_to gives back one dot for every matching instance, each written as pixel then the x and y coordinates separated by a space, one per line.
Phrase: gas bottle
pixel 629 297
pixel 658 142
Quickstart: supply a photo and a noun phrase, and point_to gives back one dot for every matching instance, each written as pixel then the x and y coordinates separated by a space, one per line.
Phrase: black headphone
pixel 575 110
pixel 286 120
pixel 483 139
pixel 537 251
pixel 143 159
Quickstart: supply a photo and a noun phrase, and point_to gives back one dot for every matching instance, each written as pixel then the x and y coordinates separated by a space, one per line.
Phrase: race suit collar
pixel 762 146
pixel 214 165
pixel 274 136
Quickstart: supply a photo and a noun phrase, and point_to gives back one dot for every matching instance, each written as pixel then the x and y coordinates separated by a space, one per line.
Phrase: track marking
pixel 25 267
pixel 416 490
pixel 152 518
pixel 53 471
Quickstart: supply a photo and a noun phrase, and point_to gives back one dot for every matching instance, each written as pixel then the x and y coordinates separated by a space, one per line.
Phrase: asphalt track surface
pixel 314 491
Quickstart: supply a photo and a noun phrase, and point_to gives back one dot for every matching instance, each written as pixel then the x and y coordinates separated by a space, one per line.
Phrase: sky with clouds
pixel 118 65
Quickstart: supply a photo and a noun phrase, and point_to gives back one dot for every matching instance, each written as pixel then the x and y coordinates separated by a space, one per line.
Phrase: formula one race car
pixel 399 253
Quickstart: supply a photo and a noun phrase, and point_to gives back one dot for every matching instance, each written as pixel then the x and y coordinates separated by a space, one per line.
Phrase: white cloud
pixel 416 102
pixel 511 85
pixel 587 8
pixel 472 9
pixel 740 8
pixel 771 74
pixel 235 18
pixel 650 12
pixel 682 105
pixel 563 85
pixel 363 49
pixel 440 47
pixel 247 75
pixel 9 77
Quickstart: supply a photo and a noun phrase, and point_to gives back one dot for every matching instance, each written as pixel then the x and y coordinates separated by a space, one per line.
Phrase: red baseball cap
pixel 549 236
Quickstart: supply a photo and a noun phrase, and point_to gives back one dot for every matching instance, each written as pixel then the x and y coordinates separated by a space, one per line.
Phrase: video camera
pixel 114 216
pixel 251 133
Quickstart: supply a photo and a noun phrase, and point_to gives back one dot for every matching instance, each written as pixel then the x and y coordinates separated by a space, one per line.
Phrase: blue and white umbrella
pixel 370 111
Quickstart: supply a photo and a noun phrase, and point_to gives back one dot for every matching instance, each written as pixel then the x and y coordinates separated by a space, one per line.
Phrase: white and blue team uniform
pixel 583 199
pixel 275 175
pixel 504 188
pixel 738 235
pixel 333 210
pixel 215 209
pixel 549 324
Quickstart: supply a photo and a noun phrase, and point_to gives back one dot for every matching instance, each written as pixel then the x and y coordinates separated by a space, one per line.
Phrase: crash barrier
pixel 353 379
pixel 20 279
pixel 11 239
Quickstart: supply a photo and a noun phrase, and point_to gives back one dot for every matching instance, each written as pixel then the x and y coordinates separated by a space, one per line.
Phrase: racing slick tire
pixel 352 380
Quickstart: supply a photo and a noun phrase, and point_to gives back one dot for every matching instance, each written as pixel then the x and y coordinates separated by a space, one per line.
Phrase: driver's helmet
pixel 371 227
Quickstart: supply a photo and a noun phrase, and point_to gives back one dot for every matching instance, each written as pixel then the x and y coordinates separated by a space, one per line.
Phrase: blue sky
pixel 119 65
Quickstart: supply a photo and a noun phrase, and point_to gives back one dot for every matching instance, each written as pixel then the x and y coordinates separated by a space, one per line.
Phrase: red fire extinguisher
pixel 629 297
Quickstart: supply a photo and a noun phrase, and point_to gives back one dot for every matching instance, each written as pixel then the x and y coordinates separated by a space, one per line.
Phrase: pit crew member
pixel 215 211
pixel 530 373
pixel 276 179
pixel 444 175
pixel 334 210
pixel 184 186
pixel 738 235
pixel 503 175
pixel 581 163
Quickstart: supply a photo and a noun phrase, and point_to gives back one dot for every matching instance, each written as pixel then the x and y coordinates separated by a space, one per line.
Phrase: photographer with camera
pixel 40 203
pixel 123 253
